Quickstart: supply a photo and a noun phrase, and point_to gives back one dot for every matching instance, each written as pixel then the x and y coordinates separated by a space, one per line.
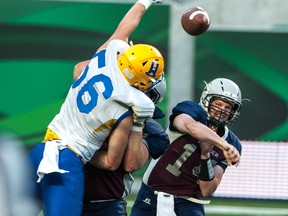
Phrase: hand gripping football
pixel 195 21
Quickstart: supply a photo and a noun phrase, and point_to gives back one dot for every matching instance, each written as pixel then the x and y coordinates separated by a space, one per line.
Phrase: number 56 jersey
pixel 97 102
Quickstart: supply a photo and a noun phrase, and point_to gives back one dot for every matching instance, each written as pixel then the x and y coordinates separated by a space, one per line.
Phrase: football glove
pixel 147 3
pixel 140 114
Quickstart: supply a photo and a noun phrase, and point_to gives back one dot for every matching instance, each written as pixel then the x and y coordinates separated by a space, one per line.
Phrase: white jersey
pixel 96 102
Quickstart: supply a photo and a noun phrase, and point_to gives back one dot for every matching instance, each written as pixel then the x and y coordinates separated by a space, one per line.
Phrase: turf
pixel 234 203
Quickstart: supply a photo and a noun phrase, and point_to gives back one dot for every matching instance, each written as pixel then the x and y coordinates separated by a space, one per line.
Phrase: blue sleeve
pixel 158 113
pixel 190 108
pixel 123 116
pixel 233 140
pixel 155 138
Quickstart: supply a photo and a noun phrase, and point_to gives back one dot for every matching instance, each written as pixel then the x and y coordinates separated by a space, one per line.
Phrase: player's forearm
pixel 186 124
pixel 136 154
pixel 205 134
pixel 209 177
pixel 127 25
pixel 100 160
pixel 131 20
pixel 208 187
pixel 208 182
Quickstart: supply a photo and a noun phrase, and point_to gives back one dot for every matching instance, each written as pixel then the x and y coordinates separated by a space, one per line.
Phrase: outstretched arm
pixel 187 124
pixel 125 28
pixel 129 22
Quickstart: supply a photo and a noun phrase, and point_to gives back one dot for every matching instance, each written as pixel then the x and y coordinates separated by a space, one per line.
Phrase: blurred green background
pixel 41 41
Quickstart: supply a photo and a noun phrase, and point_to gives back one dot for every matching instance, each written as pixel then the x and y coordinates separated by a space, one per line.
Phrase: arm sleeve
pixel 190 108
pixel 155 138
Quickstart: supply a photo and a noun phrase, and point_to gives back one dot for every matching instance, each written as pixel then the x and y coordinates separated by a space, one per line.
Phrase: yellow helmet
pixel 141 65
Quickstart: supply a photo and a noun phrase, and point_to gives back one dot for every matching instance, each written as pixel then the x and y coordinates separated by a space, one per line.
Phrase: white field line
pixel 236 210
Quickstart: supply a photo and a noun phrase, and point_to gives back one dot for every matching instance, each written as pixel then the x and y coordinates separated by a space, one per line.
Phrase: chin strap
pixel 214 122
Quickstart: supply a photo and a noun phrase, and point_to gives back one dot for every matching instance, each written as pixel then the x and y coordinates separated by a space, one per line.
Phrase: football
pixel 195 21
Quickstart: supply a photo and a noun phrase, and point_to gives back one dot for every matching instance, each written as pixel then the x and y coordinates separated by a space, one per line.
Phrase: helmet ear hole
pixel 157 91
pixel 142 85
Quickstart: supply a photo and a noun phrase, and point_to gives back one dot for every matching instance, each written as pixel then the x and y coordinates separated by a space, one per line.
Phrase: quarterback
pixel 193 165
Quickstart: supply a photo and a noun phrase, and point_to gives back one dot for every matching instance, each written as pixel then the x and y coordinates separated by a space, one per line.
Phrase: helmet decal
pixel 153 69
pixel 128 73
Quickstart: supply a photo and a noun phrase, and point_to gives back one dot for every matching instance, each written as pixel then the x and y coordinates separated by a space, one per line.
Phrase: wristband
pixel 146 3
pixel 206 170
pixel 137 127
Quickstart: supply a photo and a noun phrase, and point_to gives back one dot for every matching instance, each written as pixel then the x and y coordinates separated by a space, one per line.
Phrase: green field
pixel 235 207
pixel 238 207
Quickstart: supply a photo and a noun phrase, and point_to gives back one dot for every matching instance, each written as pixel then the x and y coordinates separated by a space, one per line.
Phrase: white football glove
pixel 147 3
pixel 156 1
pixel 140 114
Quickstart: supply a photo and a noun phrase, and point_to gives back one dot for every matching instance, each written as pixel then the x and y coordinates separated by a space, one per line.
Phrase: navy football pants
pixel 107 208
pixel 146 204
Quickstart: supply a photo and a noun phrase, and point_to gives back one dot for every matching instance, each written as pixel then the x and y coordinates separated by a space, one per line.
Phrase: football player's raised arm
pixel 128 24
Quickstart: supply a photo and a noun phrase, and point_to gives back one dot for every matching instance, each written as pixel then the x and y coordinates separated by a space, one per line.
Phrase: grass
pixel 237 207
